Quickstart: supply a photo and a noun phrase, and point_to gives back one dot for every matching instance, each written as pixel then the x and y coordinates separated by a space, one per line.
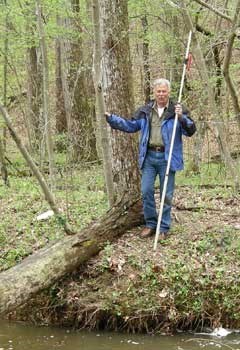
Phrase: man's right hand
pixel 107 114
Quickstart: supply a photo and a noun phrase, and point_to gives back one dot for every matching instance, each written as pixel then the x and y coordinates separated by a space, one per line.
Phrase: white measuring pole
pixel 171 146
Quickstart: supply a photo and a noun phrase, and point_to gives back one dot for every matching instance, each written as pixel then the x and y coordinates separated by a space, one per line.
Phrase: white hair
pixel 162 81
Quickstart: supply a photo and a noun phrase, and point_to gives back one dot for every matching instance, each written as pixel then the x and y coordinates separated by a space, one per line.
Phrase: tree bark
pixel 34 81
pixel 46 114
pixel 61 115
pixel 3 166
pixel 198 142
pixel 64 53
pixel 146 64
pixel 34 95
pixel 81 127
pixel 42 269
pixel 100 105
pixel 118 92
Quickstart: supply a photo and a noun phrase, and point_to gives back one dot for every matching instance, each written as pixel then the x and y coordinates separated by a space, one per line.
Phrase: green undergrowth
pixel 211 174
pixel 79 193
pixel 81 196
pixel 191 281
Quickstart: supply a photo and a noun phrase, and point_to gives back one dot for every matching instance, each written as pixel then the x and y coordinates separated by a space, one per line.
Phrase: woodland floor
pixel 192 281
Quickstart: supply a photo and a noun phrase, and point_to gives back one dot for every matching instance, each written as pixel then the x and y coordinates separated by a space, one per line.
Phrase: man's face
pixel 161 94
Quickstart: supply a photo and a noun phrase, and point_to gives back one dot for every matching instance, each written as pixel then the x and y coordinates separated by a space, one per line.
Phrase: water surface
pixel 15 336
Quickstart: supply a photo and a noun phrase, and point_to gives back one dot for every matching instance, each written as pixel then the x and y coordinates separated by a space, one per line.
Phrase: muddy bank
pixel 192 281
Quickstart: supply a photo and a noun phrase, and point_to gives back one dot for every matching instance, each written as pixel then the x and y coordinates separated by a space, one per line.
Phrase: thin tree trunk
pixel 3 166
pixel 46 113
pixel 61 117
pixel 220 132
pixel 173 52
pixel 198 144
pixel 226 63
pixel 64 79
pixel 34 81
pixel 217 59
pixel 100 107
pixel 42 269
pixel 47 192
pixel 146 65
pixel 34 94
pixel 82 132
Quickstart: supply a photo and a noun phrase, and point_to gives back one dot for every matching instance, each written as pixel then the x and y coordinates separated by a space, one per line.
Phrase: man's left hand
pixel 178 110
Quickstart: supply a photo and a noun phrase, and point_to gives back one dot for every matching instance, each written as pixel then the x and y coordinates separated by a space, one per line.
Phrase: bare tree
pixel 146 65
pixel 63 86
pixel 3 166
pixel 81 129
pixel 46 112
pixel 61 115
pixel 34 95
pixel 214 10
pixel 227 60
pixel 34 80
pixel 100 105
pixel 219 130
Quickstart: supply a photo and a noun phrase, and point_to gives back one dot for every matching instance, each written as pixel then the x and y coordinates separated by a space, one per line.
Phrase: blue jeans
pixel 154 165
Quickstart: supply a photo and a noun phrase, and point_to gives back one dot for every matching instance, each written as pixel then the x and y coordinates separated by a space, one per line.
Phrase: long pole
pixel 171 145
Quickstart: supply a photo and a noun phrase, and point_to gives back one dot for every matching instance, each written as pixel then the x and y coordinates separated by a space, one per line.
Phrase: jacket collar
pixel 167 114
pixel 170 111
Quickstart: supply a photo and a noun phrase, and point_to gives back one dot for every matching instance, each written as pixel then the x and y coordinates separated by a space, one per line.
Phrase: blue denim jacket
pixel 141 122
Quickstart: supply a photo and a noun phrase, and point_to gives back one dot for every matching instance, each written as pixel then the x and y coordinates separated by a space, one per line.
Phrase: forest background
pixel 63 64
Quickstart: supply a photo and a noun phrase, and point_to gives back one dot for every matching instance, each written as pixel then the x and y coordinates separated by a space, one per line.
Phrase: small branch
pixel 211 8
pixel 196 208
pixel 203 30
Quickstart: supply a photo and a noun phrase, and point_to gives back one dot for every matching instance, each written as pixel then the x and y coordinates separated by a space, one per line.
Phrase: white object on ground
pixel 45 216
pixel 220 332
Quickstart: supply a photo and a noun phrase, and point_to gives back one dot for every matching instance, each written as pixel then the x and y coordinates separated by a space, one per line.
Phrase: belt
pixel 156 148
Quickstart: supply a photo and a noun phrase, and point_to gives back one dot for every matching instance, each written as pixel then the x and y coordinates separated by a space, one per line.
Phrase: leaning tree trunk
pixel 41 180
pixel 42 269
pixel 119 93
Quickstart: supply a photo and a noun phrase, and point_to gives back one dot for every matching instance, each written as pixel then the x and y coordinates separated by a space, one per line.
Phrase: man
pixel 155 121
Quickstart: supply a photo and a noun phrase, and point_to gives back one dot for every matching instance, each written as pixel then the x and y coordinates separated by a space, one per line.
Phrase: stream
pixel 18 336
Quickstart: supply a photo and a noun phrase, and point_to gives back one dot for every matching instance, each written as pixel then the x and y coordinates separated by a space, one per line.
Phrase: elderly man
pixel 155 121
